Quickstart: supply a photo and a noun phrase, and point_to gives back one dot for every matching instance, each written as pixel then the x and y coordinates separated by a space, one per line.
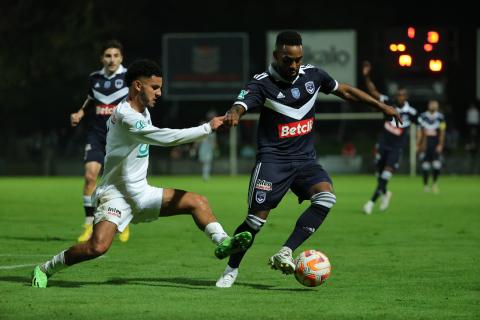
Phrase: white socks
pixel 215 232
pixel 54 265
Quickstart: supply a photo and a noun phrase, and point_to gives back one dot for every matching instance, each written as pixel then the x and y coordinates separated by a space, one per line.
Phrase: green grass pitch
pixel 419 260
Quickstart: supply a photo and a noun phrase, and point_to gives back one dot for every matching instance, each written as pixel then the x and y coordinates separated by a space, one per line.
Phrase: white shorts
pixel 113 206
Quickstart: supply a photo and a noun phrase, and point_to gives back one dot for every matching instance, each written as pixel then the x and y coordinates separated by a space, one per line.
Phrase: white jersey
pixel 126 162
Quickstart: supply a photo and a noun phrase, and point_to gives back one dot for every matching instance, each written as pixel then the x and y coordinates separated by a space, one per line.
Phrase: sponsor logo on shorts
pixel 260 196
pixel 263 185
pixel 105 109
pixel 294 129
pixel 114 212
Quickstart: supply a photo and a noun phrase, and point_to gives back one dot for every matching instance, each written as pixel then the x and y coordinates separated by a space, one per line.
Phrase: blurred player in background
pixel 124 195
pixel 286 94
pixel 430 143
pixel 206 151
pixel 392 140
pixel 107 89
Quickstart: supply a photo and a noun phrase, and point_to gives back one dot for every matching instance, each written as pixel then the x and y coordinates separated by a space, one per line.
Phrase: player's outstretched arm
pixel 76 117
pixel 232 117
pixel 371 88
pixel 350 93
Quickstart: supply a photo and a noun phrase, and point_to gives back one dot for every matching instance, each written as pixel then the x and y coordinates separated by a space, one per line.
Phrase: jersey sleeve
pixel 327 83
pixel 251 96
pixel 149 134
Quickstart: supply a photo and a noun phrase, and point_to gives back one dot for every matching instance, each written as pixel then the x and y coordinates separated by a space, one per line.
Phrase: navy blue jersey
pixel 431 124
pixel 287 112
pixel 393 136
pixel 106 92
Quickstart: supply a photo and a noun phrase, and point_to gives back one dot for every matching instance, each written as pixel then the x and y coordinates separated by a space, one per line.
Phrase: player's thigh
pixel 392 161
pixel 311 178
pixel 269 182
pixel 92 169
pixel 177 201
pixel 104 233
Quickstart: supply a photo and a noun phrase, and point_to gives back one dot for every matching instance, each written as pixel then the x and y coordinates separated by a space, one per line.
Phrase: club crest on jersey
pixel 310 86
pixel 263 185
pixel 143 150
pixel 107 84
pixel 140 124
pixel 242 94
pixel 260 196
pixel 118 83
pixel 295 93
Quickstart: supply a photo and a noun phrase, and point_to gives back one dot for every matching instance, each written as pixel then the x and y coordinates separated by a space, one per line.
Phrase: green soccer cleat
pixel 39 278
pixel 230 245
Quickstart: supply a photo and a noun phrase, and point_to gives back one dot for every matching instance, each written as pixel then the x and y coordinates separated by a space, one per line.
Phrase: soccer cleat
pixel 39 278
pixel 385 202
pixel 368 207
pixel 86 234
pixel 125 235
pixel 228 278
pixel 282 261
pixel 230 245
pixel 426 189
pixel 435 188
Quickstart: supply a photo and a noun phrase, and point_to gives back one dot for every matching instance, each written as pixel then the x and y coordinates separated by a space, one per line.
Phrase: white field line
pixel 18 266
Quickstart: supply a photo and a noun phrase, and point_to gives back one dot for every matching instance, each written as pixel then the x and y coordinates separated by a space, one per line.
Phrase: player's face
pixel 111 59
pixel 288 60
pixel 433 106
pixel 151 90
pixel 401 97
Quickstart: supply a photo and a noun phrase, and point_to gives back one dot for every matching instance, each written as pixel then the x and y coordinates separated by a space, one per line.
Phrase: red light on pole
pixel 411 32
pixel 433 37
pixel 405 60
pixel 427 47
pixel 435 65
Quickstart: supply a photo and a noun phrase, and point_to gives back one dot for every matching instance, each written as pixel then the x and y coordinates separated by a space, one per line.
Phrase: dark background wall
pixel 48 48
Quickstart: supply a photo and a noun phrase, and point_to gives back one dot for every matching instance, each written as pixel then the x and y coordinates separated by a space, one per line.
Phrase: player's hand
pixel 216 122
pixel 439 148
pixel 76 117
pixel 390 111
pixel 231 119
pixel 366 68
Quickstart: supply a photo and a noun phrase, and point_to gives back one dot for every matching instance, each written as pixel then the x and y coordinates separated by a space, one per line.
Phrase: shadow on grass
pixel 36 239
pixel 174 282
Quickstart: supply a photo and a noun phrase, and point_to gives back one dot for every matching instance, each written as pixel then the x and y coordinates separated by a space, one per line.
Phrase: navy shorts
pixel 269 182
pixel 94 148
pixel 387 157
pixel 430 154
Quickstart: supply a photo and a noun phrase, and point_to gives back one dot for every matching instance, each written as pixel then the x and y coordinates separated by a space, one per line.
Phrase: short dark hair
pixel 288 38
pixel 111 44
pixel 142 68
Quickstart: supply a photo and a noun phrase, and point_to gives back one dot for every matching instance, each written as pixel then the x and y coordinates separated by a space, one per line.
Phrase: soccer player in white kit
pixel 123 195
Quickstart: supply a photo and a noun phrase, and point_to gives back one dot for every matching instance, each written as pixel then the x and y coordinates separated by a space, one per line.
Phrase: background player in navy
pixel 286 94
pixel 430 142
pixel 392 140
pixel 106 89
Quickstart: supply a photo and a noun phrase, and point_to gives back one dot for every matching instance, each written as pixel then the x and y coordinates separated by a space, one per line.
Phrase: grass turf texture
pixel 419 260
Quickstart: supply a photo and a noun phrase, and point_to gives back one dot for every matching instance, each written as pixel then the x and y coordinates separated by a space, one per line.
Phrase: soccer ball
pixel 312 268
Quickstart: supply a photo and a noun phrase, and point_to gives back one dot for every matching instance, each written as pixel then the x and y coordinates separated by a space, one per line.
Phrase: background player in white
pixel 123 195
pixel 430 142
pixel 286 160
pixel 107 89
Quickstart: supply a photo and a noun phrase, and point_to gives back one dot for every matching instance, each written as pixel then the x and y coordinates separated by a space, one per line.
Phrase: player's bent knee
pixel 98 248
pixel 255 222
pixel 324 199
pixel 437 164
pixel 425 166
pixel 199 201
pixel 90 178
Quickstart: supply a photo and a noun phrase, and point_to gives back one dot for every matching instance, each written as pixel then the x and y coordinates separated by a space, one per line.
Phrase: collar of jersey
pixel 121 69
pixel 278 77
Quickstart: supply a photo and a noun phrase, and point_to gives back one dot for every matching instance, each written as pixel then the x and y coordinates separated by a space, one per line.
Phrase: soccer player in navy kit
pixel 430 142
pixel 106 89
pixel 286 94
pixel 392 140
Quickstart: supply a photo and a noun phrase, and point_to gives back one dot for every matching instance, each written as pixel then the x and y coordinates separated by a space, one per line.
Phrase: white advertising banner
pixel 335 51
